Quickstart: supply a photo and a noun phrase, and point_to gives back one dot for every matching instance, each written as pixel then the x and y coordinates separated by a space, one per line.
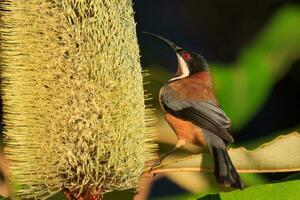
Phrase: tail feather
pixel 225 172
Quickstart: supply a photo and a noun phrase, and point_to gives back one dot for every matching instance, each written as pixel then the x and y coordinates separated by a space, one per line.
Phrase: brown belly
pixel 186 130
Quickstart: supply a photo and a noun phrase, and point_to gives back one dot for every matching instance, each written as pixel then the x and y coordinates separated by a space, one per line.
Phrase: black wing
pixel 205 114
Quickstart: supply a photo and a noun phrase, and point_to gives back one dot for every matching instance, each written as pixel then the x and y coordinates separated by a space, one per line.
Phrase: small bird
pixel 192 110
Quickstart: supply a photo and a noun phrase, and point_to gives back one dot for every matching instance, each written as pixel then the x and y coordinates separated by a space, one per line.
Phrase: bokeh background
pixel 253 48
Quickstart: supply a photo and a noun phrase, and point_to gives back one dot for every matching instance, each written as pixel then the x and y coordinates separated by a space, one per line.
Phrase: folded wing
pixel 204 113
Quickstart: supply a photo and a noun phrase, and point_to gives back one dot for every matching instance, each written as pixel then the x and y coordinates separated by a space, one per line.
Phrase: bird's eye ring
pixel 186 56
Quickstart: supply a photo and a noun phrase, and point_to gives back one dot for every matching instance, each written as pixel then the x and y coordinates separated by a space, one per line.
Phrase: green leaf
pixel 289 190
pixel 286 190
pixel 243 87
pixel 279 155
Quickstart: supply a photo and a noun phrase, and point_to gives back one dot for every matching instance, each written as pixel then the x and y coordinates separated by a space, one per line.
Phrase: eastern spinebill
pixel 192 110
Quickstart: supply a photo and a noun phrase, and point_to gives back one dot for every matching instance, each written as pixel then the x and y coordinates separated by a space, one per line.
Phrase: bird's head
pixel 189 62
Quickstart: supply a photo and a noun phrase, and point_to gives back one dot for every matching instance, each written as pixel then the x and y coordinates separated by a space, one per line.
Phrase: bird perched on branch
pixel 192 110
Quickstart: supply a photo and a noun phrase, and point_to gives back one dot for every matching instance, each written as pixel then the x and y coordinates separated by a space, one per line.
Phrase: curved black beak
pixel 171 44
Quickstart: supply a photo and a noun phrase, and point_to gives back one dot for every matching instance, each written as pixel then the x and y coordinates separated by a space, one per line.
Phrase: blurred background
pixel 253 48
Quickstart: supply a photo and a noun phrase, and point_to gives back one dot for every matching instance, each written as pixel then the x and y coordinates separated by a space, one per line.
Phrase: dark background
pixel 218 30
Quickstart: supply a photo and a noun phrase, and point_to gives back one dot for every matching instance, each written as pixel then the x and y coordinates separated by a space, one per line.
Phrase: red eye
pixel 186 56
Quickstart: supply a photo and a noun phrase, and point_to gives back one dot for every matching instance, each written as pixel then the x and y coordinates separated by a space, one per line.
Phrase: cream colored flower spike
pixel 73 96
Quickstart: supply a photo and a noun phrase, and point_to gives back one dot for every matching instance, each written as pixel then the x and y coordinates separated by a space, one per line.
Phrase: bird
pixel 192 110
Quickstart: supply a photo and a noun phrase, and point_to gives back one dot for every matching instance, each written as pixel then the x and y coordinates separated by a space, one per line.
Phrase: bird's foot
pixel 156 163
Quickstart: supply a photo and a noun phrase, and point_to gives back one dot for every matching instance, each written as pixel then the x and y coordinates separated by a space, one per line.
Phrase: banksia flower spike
pixel 73 99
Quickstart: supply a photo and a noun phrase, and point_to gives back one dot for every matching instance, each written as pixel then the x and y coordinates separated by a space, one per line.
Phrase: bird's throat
pixel 203 77
pixel 182 69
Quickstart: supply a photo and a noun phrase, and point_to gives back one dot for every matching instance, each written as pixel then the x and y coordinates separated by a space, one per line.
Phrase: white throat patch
pixel 183 68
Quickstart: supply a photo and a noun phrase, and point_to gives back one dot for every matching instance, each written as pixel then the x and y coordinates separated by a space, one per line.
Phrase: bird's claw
pixel 156 163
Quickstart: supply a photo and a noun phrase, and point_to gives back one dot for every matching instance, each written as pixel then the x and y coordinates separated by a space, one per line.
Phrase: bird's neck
pixel 203 77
